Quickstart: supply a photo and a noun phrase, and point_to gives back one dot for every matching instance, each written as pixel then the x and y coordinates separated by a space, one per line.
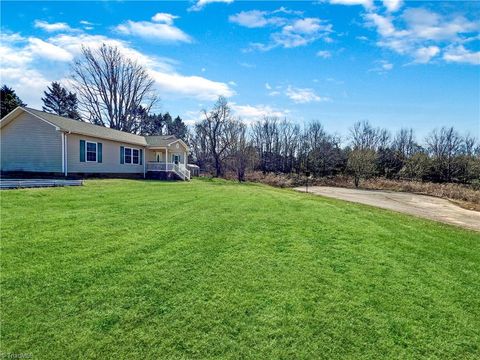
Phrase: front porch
pixel 178 169
pixel 168 160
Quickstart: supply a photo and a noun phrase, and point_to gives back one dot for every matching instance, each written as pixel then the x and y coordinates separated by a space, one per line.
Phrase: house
pixel 37 143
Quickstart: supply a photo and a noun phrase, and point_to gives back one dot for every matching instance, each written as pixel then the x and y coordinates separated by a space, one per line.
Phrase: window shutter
pixel 141 156
pixel 99 152
pixel 122 155
pixel 82 150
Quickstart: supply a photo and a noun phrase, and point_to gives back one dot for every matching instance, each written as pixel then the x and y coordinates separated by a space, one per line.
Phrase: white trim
pixel 63 152
pixel 66 155
pixel 131 156
pixel 183 143
pixel 39 117
pixel 86 151
pixel 12 115
pixel 144 162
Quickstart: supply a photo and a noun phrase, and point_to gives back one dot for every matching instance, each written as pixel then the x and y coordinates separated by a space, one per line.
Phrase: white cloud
pixel 27 63
pixel 200 4
pixel 190 86
pixel 421 33
pixel 325 54
pixel 52 27
pixel 382 67
pixel 246 113
pixel 428 25
pixel 423 55
pixel 387 66
pixel 291 31
pixel 254 19
pixel 42 49
pixel 366 3
pixel 301 32
pixel 383 24
pixel 268 86
pixel 252 113
pixel 303 96
pixel 28 83
pixel 392 5
pixel 160 29
pixel 459 54
pixel 164 18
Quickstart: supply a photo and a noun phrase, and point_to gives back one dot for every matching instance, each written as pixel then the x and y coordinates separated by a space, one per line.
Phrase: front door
pixel 158 156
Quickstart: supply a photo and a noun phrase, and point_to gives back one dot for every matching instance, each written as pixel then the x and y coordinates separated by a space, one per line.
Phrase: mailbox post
pixel 307 174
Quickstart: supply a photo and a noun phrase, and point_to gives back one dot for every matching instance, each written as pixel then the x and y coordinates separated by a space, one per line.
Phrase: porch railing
pixel 179 169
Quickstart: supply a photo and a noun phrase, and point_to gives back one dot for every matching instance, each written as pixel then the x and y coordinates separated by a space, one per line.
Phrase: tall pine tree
pixel 8 100
pixel 178 128
pixel 59 101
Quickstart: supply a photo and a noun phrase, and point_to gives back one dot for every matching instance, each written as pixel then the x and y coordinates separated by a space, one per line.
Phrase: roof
pixel 88 129
pixel 160 140
pixel 85 128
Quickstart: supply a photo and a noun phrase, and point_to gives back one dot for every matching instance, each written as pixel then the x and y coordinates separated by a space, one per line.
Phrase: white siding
pixel 30 144
pixel 110 157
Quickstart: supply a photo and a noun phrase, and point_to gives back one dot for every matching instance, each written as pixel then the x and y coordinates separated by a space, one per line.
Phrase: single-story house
pixel 36 142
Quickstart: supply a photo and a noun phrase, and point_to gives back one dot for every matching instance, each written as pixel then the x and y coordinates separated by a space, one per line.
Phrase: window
pixel 91 151
pixel 128 156
pixel 135 156
pixel 176 159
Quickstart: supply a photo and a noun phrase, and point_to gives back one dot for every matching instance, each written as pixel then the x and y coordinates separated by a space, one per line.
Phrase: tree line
pixel 222 143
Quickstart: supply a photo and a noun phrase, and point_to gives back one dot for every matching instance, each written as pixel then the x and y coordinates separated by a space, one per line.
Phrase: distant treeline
pixel 222 143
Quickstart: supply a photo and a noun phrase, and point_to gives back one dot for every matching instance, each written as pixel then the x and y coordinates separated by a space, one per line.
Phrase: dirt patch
pixel 419 205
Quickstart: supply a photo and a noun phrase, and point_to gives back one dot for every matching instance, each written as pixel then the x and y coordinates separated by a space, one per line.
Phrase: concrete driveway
pixel 419 205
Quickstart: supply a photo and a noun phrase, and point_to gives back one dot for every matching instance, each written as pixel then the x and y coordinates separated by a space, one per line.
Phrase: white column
pixel 63 152
pixel 185 158
pixel 66 154
pixel 166 156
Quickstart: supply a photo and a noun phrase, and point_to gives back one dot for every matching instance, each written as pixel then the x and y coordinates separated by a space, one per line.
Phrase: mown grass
pixel 213 269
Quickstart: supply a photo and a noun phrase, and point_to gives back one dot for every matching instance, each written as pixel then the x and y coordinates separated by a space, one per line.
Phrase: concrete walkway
pixel 419 205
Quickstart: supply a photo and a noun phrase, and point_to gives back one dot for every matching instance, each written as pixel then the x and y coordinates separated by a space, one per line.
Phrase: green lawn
pixel 213 269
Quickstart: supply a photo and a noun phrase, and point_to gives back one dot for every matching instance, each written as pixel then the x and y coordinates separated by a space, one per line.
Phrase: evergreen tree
pixel 59 101
pixel 8 100
pixel 178 128
pixel 152 125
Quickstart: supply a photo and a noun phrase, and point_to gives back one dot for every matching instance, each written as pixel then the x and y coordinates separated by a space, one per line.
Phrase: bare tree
pixel 217 131
pixel 324 153
pixel 404 143
pixel 242 152
pixel 114 91
pixel 444 145
pixel 266 137
pixel 364 136
pixel 361 163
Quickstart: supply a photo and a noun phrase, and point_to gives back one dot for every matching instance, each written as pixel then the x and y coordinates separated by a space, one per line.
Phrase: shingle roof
pixel 160 140
pixel 84 128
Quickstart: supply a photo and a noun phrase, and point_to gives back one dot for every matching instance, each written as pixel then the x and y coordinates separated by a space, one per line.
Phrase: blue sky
pixel 394 63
